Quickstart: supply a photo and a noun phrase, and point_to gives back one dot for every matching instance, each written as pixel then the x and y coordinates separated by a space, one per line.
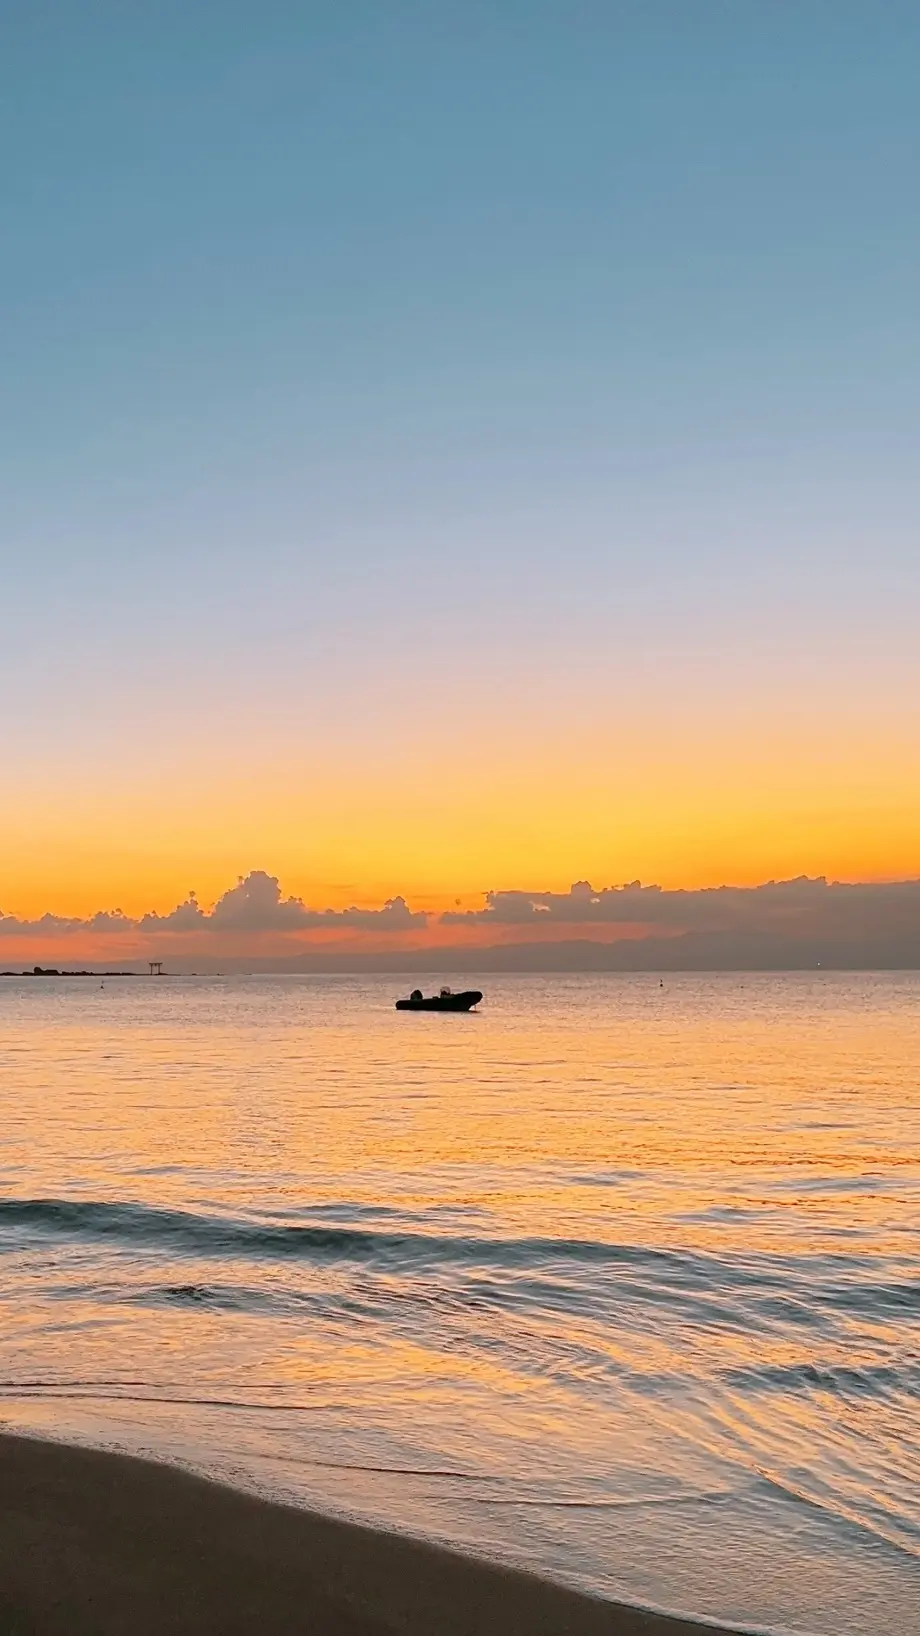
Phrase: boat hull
pixel 443 1002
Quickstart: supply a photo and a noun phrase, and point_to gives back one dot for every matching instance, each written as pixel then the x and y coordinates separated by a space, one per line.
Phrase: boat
pixel 445 1001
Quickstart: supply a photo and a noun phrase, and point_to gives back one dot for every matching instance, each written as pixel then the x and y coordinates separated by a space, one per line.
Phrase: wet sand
pixel 105 1544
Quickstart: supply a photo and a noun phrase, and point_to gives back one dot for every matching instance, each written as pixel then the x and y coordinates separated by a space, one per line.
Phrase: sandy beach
pixel 105 1544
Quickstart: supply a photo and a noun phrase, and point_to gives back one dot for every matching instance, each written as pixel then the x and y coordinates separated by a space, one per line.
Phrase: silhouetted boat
pixel 445 1001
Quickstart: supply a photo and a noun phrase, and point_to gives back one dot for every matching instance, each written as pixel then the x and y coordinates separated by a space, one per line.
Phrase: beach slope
pixel 101 1543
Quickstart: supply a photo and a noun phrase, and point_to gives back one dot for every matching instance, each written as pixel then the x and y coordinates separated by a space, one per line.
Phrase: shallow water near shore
pixel 616 1281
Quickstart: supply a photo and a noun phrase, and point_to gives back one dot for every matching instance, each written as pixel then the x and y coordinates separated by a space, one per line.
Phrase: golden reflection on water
pixel 554 1105
pixel 744 1146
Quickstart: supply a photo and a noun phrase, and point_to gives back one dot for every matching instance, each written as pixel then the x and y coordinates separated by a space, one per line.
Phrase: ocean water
pixel 615 1280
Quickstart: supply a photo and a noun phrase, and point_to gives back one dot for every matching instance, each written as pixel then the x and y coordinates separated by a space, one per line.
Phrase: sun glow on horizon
pixel 456 834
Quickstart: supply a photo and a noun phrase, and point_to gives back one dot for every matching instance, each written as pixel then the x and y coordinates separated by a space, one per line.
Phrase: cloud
pixel 581 903
pixel 781 924
pixel 105 920
pixel 254 905
pixel 803 902
pixel 186 917
pixel 395 916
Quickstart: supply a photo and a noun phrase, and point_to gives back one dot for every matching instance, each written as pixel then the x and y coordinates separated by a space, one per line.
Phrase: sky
pixel 452 448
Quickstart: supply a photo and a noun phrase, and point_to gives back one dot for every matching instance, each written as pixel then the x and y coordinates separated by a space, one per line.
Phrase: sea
pixel 617 1278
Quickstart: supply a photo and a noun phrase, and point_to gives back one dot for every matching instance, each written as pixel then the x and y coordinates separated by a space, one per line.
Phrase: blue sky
pixel 362 362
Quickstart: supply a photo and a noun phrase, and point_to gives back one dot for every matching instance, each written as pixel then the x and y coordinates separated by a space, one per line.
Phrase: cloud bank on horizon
pixel 255 905
pixel 796 923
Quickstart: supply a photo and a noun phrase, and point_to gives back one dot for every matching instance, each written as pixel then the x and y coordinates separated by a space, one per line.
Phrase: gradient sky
pixel 452 446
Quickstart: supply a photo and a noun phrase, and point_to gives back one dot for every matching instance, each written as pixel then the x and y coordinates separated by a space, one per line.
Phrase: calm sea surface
pixel 618 1281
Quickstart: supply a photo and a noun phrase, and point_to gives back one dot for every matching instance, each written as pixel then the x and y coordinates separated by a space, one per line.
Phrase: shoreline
pixel 95 1543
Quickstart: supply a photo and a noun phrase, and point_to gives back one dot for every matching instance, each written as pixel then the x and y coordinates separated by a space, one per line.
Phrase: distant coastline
pixel 53 971
pixel 573 959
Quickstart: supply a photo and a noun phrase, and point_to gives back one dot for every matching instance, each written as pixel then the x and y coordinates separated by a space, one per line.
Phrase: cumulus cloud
pixel 395 916
pixel 804 901
pixel 254 904
pixel 779 924
pixel 185 917
pixel 105 920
